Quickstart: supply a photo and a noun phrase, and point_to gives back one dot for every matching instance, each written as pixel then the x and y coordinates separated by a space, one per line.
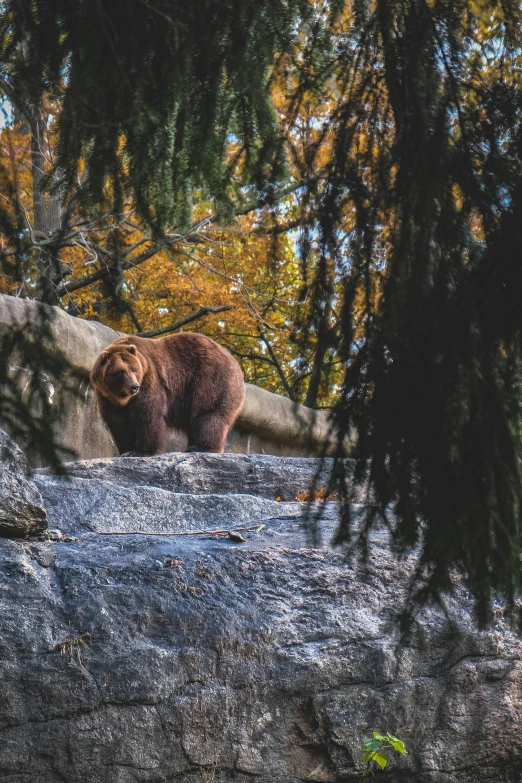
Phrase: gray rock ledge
pixel 130 659
pixel 193 473
pixel 104 506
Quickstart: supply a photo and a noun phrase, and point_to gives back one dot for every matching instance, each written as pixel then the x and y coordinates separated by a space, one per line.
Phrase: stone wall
pixel 268 423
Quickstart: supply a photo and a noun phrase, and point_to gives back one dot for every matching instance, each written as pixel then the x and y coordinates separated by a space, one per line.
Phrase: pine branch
pixel 15 99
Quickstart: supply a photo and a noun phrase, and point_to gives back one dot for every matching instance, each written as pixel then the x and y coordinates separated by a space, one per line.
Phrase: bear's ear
pixel 97 370
pixel 132 349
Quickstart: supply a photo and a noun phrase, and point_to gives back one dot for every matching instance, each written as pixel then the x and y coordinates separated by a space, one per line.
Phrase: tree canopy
pixel 352 170
pixel 152 93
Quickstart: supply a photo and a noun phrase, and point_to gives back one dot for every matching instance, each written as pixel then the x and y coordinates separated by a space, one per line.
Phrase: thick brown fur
pixel 184 381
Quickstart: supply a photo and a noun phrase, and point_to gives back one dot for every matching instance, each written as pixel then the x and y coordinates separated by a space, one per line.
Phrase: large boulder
pixel 21 508
pixel 191 659
pixel 198 657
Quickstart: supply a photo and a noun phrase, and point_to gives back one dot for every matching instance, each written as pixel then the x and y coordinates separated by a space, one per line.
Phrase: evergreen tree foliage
pixel 432 385
pixel 414 207
pixel 155 91
pixel 32 378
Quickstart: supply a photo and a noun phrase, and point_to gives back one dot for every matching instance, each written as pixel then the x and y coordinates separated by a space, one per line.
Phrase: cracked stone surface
pixel 104 506
pixel 21 508
pixel 147 659
pixel 263 475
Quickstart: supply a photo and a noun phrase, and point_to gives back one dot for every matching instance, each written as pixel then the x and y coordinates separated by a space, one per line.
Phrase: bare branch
pixel 182 269
pixel 131 248
pixel 278 367
pixel 279 229
pixel 132 315
pixel 201 313
pixel 251 356
pixel 171 239
pixel 276 197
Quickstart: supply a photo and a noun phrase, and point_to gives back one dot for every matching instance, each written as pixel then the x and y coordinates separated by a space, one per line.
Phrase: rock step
pixel 197 473
pixel 103 506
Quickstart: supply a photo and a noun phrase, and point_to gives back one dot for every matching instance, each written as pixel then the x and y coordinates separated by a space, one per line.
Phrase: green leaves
pixel 370 752
pixel 397 744
pixel 372 749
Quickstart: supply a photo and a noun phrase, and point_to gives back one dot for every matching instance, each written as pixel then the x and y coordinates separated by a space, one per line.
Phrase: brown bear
pixel 185 381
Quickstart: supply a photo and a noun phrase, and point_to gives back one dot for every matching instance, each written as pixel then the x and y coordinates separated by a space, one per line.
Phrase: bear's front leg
pixel 207 432
pixel 120 423
pixel 150 428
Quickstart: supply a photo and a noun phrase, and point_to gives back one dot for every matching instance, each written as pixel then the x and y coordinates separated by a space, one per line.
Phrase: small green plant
pixel 372 750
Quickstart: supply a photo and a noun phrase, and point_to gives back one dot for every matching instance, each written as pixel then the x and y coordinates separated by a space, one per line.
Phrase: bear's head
pixel 118 373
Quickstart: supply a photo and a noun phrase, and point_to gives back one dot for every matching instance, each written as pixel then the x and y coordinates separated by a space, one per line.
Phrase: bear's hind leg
pixel 207 432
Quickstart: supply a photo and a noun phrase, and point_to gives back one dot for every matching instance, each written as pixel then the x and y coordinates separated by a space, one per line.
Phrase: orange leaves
pixel 112 269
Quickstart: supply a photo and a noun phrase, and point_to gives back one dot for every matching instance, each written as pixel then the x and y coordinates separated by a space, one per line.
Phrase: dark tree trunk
pixel 323 344
pixel 48 211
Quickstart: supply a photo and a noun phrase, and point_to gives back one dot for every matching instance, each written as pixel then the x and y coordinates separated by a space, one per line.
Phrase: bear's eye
pixel 120 372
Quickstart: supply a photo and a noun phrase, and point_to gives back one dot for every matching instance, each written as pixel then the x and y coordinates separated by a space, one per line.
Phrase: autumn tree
pixel 228 252
pixel 241 282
